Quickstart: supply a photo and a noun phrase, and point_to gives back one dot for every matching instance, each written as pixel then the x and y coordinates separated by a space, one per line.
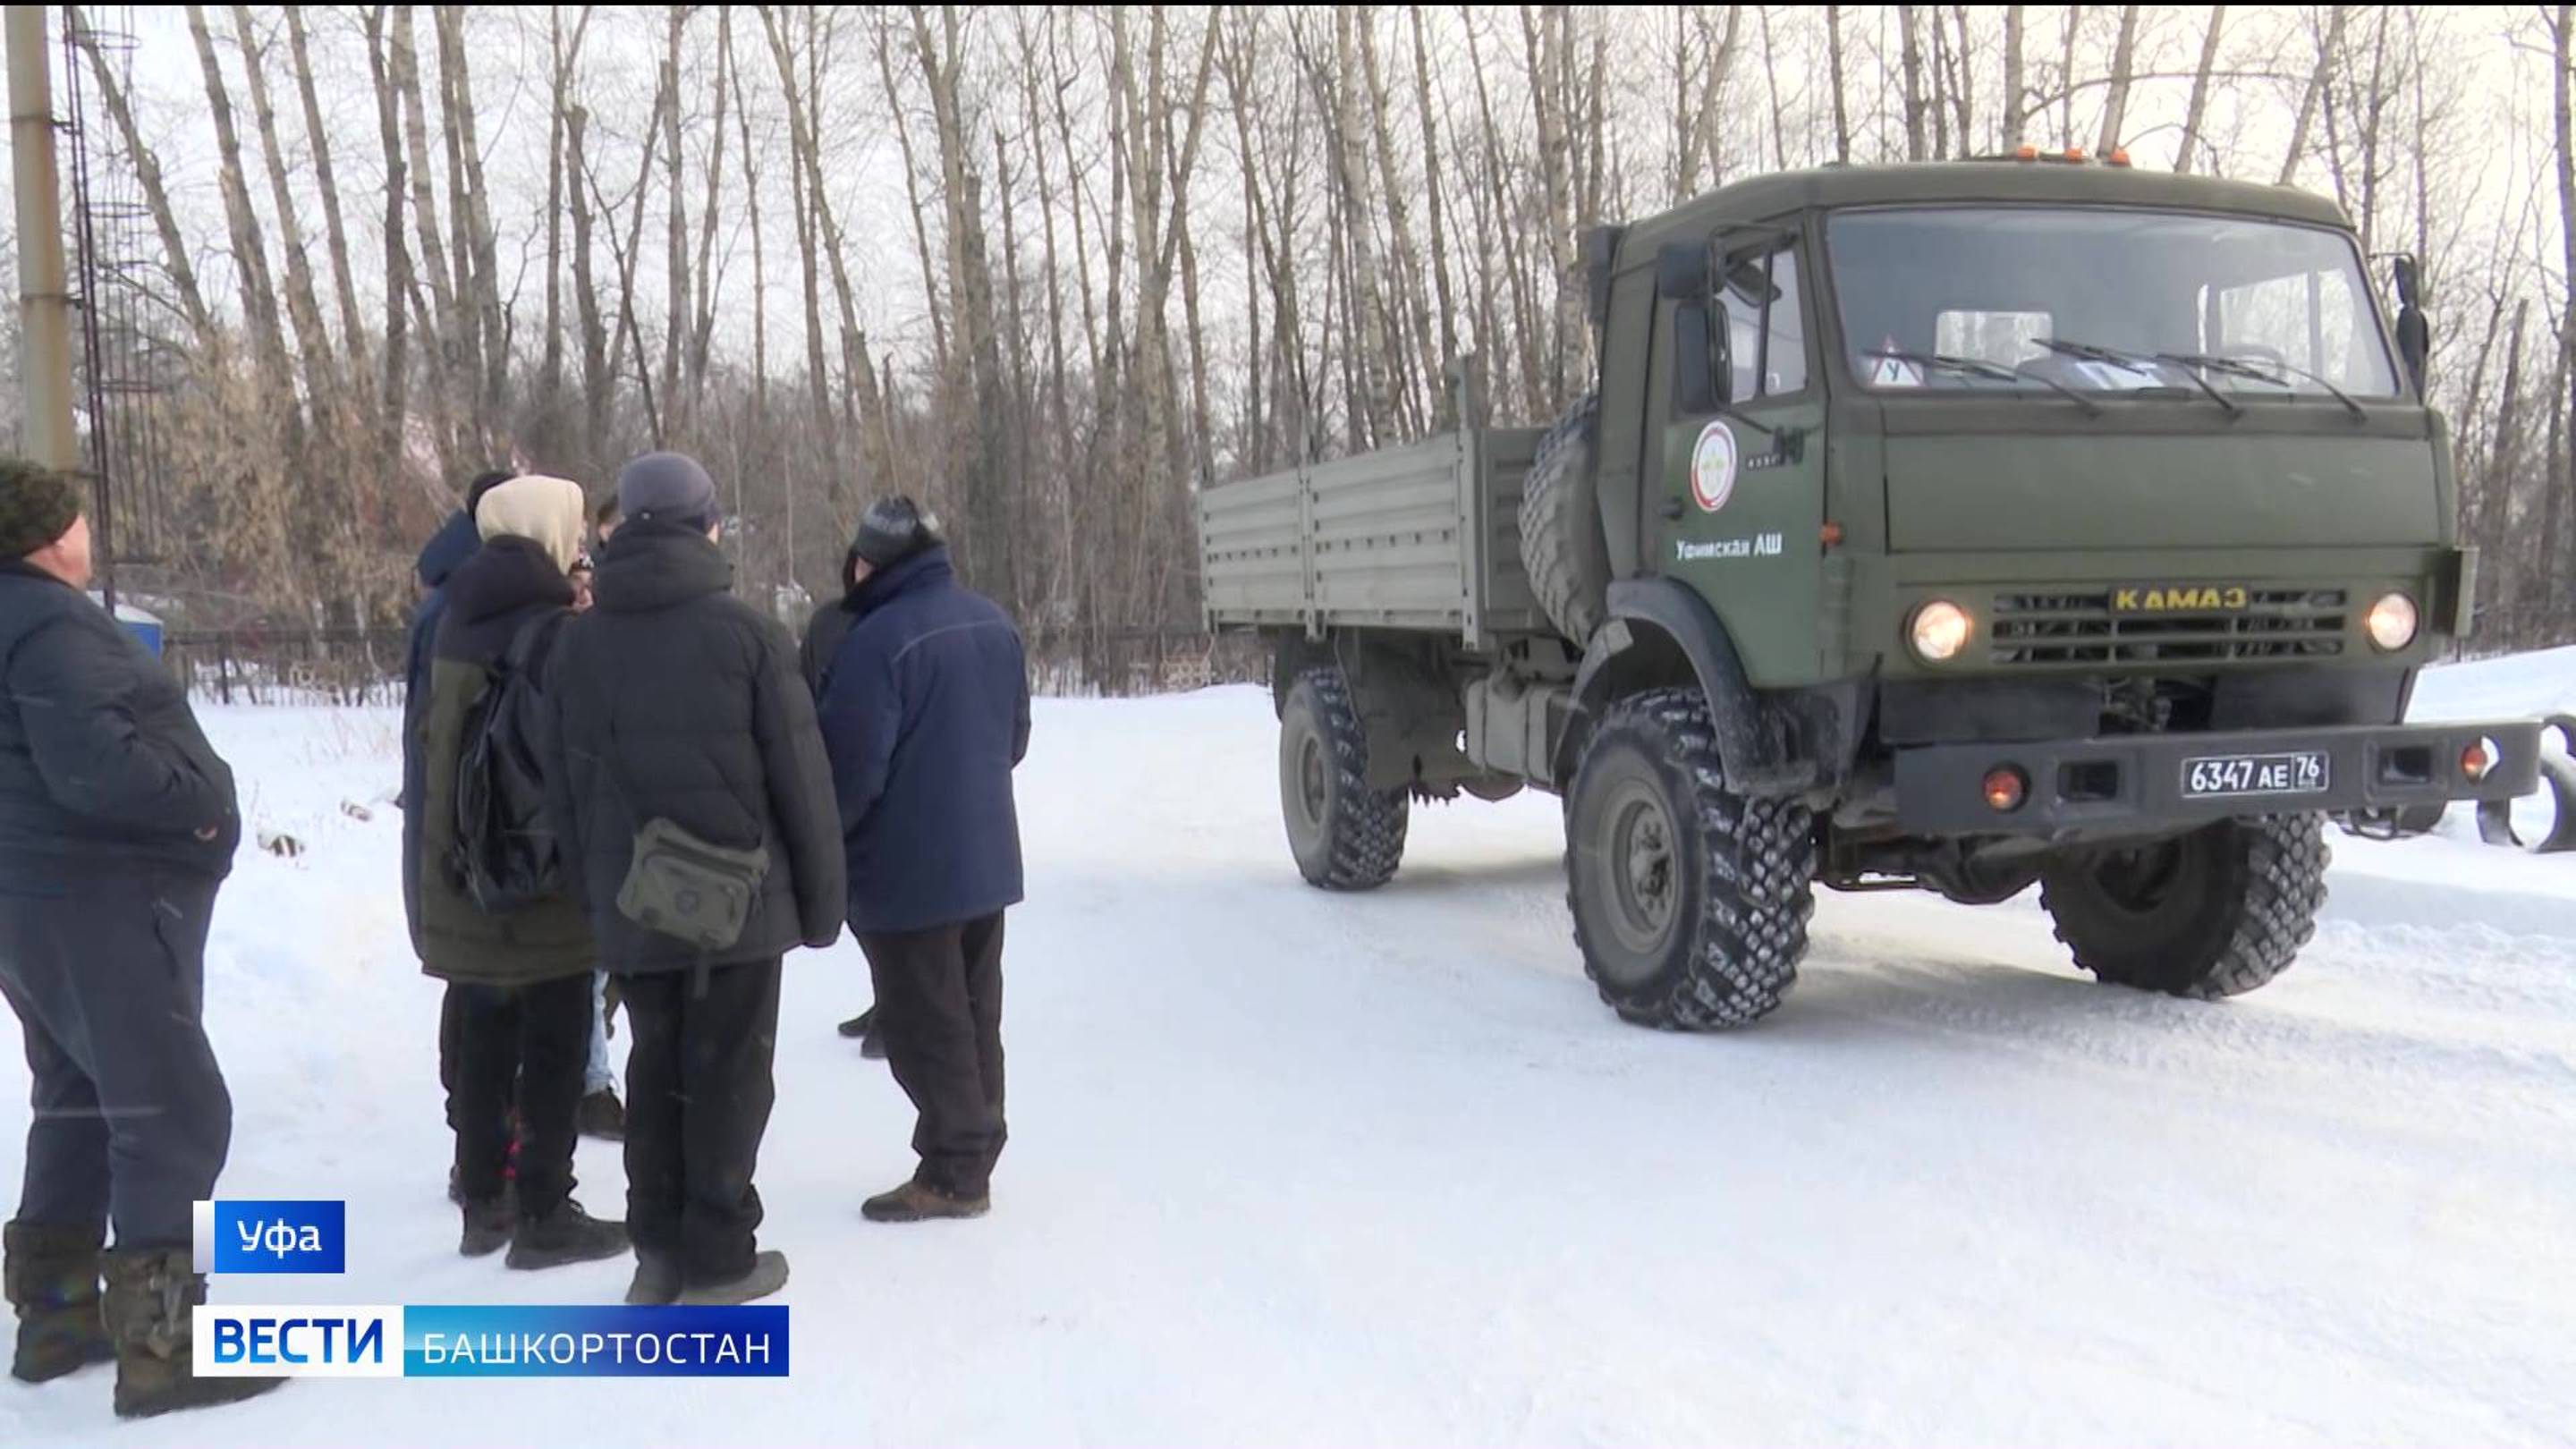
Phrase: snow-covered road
pixel 1295 1168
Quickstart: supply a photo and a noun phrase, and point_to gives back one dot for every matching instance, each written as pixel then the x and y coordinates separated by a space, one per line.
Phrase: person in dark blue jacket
pixel 456 541
pixel 925 714
pixel 117 827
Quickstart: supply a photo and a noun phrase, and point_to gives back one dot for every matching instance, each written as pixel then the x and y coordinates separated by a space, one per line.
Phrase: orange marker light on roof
pixel 2074 153
pixel 2118 158
pixel 2026 153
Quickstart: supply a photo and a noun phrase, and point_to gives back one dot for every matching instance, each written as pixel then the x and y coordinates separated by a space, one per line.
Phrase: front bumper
pixel 2127 783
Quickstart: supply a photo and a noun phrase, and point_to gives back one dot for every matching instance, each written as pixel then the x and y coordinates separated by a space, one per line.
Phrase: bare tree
pixel 156 196
pixel 317 138
pixel 2015 87
pixel 2115 108
pixel 2197 111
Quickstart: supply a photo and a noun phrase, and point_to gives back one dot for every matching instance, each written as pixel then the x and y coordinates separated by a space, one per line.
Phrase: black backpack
pixel 504 857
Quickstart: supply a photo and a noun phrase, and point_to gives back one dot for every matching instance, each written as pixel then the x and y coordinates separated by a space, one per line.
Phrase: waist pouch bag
pixel 682 887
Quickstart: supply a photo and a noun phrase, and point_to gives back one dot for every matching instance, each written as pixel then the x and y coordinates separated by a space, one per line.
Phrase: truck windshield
pixel 2144 303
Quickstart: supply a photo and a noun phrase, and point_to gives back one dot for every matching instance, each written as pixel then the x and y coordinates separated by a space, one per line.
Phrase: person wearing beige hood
pixel 498 921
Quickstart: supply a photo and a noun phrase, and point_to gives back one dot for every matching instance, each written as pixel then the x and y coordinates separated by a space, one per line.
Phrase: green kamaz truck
pixel 1969 526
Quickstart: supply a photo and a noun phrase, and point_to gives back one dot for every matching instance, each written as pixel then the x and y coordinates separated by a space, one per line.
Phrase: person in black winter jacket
pixel 519 979
pixel 823 635
pixel 926 714
pixel 675 708
pixel 117 827
pixel 454 543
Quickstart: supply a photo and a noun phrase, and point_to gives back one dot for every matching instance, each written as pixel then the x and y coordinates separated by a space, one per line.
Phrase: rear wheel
pixel 1690 901
pixel 1346 836
pixel 2214 913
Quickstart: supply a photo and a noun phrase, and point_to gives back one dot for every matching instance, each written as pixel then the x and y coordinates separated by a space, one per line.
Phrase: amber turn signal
pixel 2005 788
pixel 2479 760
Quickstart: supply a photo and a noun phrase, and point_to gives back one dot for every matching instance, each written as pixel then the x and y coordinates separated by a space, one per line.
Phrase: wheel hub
pixel 2138 881
pixel 1642 860
pixel 1311 790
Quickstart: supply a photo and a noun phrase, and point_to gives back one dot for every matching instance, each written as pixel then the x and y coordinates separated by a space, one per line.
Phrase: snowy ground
pixel 1288 1167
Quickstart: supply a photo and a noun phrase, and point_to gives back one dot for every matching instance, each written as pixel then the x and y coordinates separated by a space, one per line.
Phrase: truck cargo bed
pixel 1423 536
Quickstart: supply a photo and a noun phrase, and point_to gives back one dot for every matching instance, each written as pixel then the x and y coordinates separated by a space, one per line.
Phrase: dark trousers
pixel 534 1040
pixel 450 1019
pixel 698 1094
pixel 939 1009
pixel 131 1119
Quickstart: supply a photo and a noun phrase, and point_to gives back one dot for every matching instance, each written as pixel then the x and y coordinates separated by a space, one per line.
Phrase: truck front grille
pixel 2080 628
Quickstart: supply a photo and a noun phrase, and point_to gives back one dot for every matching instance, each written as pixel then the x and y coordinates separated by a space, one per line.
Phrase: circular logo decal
pixel 1713 467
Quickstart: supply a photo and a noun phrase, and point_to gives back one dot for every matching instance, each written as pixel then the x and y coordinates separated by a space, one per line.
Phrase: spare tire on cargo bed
pixel 1561 541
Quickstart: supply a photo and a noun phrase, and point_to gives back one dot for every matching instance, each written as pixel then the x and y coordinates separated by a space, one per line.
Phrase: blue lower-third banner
pixel 531 1341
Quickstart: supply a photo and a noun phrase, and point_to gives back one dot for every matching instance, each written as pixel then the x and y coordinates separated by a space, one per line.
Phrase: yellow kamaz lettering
pixel 2180 598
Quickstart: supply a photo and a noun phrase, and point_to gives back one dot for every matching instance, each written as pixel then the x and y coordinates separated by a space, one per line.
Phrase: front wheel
pixel 1690 901
pixel 2217 912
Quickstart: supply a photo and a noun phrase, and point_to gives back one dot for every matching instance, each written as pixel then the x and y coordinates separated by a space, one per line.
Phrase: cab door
pixel 1735 452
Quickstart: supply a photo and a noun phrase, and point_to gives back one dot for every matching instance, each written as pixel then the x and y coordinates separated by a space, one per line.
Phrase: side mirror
pixel 1721 357
pixel 1681 273
pixel 2414 331
pixel 1682 276
pixel 1699 366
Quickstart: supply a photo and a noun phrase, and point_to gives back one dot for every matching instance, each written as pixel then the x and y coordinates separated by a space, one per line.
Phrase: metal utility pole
pixel 44 293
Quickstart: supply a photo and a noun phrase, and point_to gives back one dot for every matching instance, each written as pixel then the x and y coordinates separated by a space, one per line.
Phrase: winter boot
pixel 864 1027
pixel 768 1274
pixel 602 1116
pixel 565 1235
pixel 917 1201
pixel 657 1281
pixel 51 1274
pixel 149 1294
pixel 488 1225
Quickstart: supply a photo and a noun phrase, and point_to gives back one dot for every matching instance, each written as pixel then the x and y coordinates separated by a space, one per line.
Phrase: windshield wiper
pixel 2135 362
pixel 1993 372
pixel 2238 367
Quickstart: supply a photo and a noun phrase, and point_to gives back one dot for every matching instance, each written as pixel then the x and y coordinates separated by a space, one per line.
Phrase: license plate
pixel 2300 772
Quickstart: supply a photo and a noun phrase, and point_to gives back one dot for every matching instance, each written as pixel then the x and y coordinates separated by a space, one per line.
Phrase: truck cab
pixel 1971 526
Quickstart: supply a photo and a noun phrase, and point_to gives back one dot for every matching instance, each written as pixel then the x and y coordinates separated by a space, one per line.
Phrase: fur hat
pixel 894 529
pixel 37 506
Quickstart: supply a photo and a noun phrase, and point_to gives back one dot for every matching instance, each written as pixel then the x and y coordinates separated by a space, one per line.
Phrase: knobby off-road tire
pixel 1346 836
pixel 1562 546
pixel 1690 901
pixel 2214 913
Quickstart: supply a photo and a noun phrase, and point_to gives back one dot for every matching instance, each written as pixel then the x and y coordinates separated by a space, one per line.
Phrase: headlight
pixel 1939 631
pixel 2392 622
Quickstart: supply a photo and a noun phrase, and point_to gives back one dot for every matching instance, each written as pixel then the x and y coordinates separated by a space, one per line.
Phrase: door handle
pixel 1672 509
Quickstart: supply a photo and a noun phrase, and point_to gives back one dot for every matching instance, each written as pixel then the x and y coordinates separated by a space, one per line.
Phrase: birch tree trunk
pixel 2197 111
pixel 2015 86
pixel 353 329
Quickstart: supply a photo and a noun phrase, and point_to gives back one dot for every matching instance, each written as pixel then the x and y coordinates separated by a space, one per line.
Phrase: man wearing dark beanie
pixel 692 806
pixel 117 826
pixel 926 713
